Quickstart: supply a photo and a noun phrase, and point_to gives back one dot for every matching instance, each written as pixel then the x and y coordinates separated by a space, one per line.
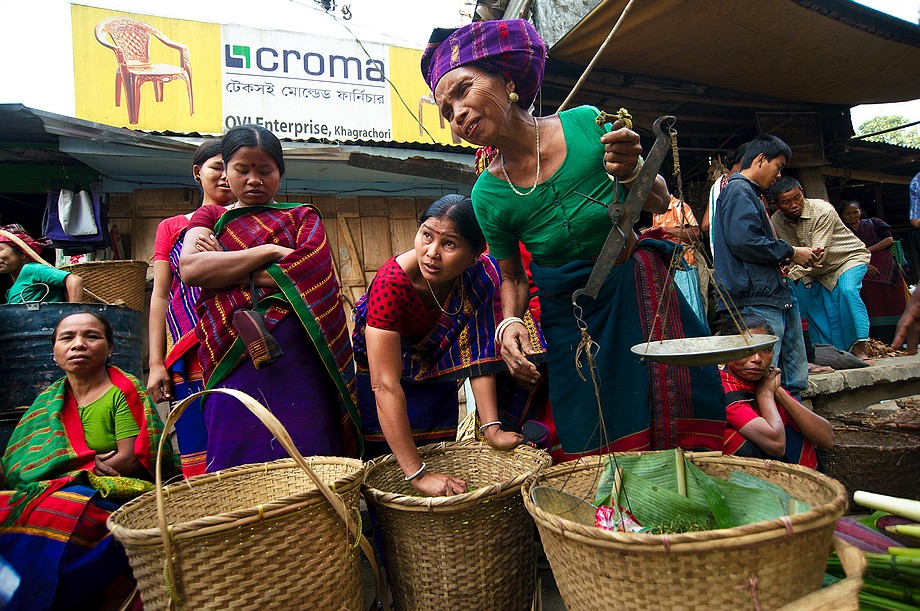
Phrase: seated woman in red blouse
pixel 426 323
pixel 762 419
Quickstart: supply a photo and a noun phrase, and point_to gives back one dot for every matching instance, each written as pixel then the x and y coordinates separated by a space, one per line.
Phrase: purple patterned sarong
pixel 297 390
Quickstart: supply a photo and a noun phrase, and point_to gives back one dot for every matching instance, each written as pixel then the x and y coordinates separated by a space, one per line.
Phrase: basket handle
pixel 840 595
pixel 284 438
pixel 852 560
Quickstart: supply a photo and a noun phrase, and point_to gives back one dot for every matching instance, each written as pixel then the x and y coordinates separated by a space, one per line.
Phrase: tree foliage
pixel 908 136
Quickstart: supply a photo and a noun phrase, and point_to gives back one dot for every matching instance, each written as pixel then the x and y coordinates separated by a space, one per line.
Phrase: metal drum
pixel 27 365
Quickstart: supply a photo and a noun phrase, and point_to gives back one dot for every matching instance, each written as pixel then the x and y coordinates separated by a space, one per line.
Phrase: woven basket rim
pixel 459 502
pixel 706 540
pixel 231 520
pixel 123 262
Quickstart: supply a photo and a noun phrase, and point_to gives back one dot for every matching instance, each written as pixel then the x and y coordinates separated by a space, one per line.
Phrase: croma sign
pixel 293 62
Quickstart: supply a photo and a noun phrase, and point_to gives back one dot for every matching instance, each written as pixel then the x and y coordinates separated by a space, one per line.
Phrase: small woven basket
pixel 763 565
pixel 270 535
pixel 114 282
pixel 875 460
pixel 469 551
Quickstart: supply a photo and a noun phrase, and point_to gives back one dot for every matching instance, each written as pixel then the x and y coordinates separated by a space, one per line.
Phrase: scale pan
pixel 696 351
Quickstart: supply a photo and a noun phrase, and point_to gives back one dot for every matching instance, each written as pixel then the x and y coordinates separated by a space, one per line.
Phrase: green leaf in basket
pixel 795 506
pixel 653 505
pixel 713 496
pixel 790 504
pixel 744 478
pixel 750 505
pixel 656 467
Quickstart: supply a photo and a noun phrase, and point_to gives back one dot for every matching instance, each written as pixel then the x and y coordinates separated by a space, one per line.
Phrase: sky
pixel 406 23
pixel 907 10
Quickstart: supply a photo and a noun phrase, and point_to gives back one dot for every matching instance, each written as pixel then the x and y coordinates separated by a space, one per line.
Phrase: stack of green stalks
pixel 892 577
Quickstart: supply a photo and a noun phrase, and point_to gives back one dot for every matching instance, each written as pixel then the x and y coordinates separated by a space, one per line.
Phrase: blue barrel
pixel 27 364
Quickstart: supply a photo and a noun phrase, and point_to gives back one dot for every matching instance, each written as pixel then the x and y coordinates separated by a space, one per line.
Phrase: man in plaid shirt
pixel 828 291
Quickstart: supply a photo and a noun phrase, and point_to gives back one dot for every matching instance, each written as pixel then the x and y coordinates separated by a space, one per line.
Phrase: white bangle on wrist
pixel 632 175
pixel 409 478
pixel 500 329
pixel 488 424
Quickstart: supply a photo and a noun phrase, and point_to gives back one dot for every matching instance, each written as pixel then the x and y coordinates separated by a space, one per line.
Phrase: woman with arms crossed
pixel 273 258
pixel 86 445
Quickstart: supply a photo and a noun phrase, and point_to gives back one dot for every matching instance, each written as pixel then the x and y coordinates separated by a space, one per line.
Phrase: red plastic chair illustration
pixel 130 41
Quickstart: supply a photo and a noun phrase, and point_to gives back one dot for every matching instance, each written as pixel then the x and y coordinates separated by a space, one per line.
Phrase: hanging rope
pixel 588 349
pixel 697 244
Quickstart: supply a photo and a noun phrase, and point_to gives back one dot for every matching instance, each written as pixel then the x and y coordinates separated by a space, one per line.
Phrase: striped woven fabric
pixel 180 315
pixel 308 286
pixel 48 450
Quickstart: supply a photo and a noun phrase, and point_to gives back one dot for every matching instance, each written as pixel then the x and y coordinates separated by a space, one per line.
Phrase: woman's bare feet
pixel 813 368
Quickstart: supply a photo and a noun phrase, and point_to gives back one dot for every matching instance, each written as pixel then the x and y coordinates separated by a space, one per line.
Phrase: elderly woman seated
pixel 762 419
pixel 85 446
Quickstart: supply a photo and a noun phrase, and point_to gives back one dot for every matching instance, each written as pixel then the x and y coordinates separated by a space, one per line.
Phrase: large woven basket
pixel 756 566
pixel 114 282
pixel 875 460
pixel 470 551
pixel 270 535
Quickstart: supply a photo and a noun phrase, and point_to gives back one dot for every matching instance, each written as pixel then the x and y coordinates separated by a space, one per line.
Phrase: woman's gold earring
pixel 513 98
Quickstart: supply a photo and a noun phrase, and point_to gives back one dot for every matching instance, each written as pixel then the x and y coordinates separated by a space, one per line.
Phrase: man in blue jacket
pixel 749 257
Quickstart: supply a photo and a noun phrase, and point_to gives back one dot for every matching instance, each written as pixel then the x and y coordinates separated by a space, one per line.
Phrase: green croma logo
pixel 236 56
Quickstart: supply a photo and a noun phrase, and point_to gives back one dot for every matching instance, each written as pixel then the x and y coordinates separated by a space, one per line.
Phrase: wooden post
pixel 351 268
pixel 812 180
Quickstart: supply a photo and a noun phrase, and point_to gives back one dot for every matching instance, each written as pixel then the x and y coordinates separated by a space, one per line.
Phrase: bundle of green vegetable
pixel 890 542
pixel 663 492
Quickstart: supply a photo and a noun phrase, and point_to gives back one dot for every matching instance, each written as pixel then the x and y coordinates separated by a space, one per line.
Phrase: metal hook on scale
pixel 623 215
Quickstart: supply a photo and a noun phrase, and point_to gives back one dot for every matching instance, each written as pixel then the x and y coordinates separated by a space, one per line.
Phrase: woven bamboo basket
pixel 270 535
pixel 875 460
pixel 469 551
pixel 911 401
pixel 764 565
pixel 114 282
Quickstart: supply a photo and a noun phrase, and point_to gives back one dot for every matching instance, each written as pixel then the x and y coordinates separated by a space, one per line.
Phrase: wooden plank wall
pixel 363 232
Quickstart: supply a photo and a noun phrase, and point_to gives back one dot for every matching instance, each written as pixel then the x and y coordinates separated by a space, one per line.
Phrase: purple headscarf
pixel 510 47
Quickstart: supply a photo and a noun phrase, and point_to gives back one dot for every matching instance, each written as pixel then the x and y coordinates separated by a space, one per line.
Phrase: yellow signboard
pixel 146 72
pixel 161 74
pixel 415 116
